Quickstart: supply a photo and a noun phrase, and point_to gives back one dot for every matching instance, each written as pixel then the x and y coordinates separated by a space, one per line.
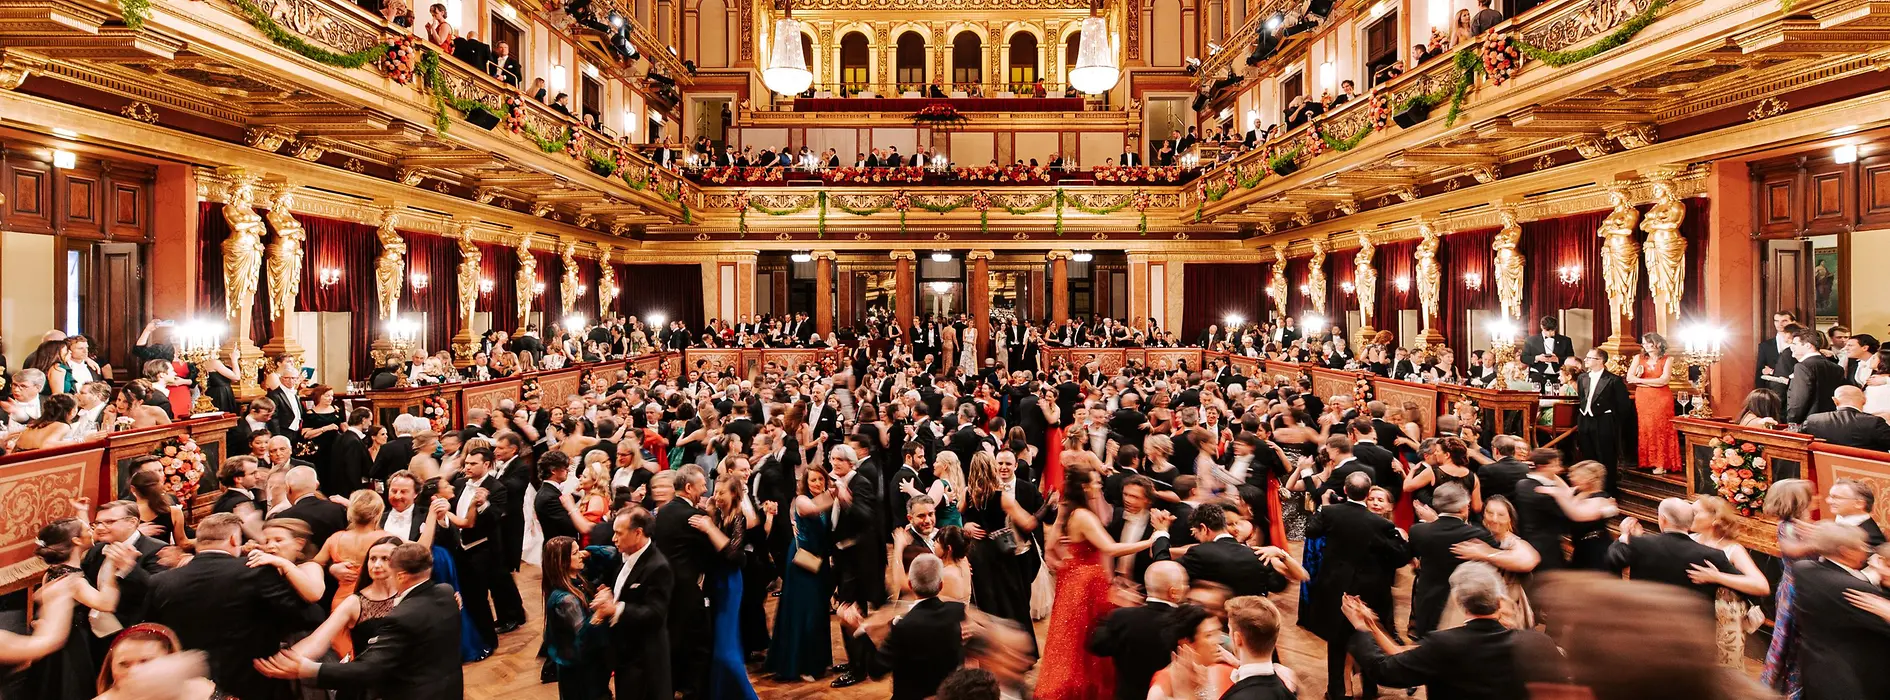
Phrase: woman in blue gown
pixel 803 637
pixel 728 672
pixel 573 641
pixel 471 646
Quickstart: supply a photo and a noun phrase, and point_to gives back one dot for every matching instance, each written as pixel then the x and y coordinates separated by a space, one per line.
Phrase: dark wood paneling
pixel 126 217
pixel 1787 275
pixel 1829 204
pixel 28 187
pixel 80 201
pixel 1874 190
pixel 117 302
pixel 1778 202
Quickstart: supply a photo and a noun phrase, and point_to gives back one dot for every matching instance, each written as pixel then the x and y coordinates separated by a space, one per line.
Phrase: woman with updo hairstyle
pixel 350 545
pixel 288 544
pixel 67 674
pixel 1716 525
pixel 155 505
pixel 52 427
pixel 1196 669
pixel 141 644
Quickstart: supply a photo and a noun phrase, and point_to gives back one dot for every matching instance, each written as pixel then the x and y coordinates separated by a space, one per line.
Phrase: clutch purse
pixel 807 560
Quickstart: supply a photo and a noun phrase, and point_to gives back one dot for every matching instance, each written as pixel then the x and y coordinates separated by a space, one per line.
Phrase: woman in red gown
pixel 1053 438
pixel 1069 671
pixel 1653 405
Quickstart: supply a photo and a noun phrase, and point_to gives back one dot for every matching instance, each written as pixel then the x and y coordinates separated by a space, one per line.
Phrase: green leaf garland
pixel 1347 143
pixel 259 18
pixel 135 12
pixel 1620 36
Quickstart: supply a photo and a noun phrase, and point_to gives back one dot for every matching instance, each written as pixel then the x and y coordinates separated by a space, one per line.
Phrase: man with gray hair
pixel 23 406
pixel 1667 557
pixel 1434 545
pixel 859 558
pixel 690 555
pixel 1499 478
pixel 925 644
pixel 1480 659
pixel 1136 638
pixel 1843 641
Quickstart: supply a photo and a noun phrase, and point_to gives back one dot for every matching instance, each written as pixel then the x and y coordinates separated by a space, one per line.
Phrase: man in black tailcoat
pixel 1363 553
pixel 690 556
pixel 234 613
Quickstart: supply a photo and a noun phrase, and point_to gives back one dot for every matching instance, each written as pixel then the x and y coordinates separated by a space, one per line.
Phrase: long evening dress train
pixel 1069 671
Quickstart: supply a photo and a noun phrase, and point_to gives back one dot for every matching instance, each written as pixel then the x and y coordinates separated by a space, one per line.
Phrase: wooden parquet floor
pixel 512 671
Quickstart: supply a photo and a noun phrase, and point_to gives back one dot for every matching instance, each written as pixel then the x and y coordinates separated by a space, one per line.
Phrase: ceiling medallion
pixel 941 236
pixel 862 236
pixel 1768 107
pixel 139 111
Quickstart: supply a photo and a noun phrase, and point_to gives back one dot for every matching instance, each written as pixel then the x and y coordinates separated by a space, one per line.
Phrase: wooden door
pixel 1788 278
pixel 115 286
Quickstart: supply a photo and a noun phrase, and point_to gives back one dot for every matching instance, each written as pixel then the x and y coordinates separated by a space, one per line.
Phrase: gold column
pixel 242 268
pixel 567 290
pixel 1508 263
pixel 1276 286
pixel 525 283
pixel 979 289
pixel 1620 275
pixel 1316 276
pixel 1365 287
pixel 1059 286
pixel 390 273
pixel 823 292
pixel 284 265
pixel 1430 283
pixel 606 284
pixel 468 288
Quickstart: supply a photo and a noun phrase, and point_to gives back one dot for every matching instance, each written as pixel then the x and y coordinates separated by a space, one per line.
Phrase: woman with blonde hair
pixel 1715 525
pixel 288 544
pixel 1789 501
pixel 1512 555
pixel 345 550
pixel 947 490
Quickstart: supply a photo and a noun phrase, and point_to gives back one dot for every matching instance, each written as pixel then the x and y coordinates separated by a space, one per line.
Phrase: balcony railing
pixel 982 97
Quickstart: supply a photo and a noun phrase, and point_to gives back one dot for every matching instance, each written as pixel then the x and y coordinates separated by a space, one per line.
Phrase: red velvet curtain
pixel 350 247
pixel 624 304
pixel 500 264
pixel 436 257
pixel 1394 261
pixel 551 303
pixel 1694 230
pixel 1551 244
pixel 587 276
pixel 1338 303
pixel 673 291
pixel 1215 291
pixel 1296 303
pixel 1465 253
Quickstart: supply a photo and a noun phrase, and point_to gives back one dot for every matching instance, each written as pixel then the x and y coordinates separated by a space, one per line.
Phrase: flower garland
pixel 604 164
pixel 1500 57
pixel 135 12
pixel 1141 200
pixel 260 19
pixel 437 412
pixel 1739 474
pixel 1137 173
pixel 981 201
pixel 183 464
pixel 741 205
pixel 902 203
pixel 1620 36
pixel 529 388
pixel 1283 160
pixel 865 176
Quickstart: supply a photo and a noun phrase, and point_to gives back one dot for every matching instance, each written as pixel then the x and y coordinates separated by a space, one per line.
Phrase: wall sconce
pixel 1402 283
pixel 538 289
pixel 1082 256
pixel 330 276
pixel 64 160
pixel 1473 281
pixel 1234 320
pixel 1305 291
pixel 1348 288
pixel 615 291
pixel 485 286
pixel 558 76
pixel 582 288
pixel 419 280
pixel 941 287
pixel 1570 275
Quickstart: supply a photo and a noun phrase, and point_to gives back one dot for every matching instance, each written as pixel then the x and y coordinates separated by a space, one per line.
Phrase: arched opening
pixel 1023 52
pixel 967 60
pixel 1070 48
pixel 910 61
pixel 813 62
pixel 854 56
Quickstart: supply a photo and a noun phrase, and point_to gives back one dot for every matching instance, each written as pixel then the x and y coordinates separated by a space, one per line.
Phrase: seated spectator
pixel 1762 409
pixel 1849 425
pixel 1346 92
pixel 537 90
pixel 562 103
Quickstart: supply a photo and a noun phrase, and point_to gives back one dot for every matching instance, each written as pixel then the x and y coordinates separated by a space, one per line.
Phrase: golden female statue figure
pixel 1277 286
pixel 527 283
pixel 1365 277
pixel 391 267
pixel 1430 277
pixel 568 292
pixel 1620 254
pixel 1509 264
pixel 469 259
pixel 1316 276
pixel 285 254
pixel 1666 251
pixel 606 283
pixel 243 250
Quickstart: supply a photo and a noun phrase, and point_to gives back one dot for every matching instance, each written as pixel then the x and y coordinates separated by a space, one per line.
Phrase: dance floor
pixel 512 672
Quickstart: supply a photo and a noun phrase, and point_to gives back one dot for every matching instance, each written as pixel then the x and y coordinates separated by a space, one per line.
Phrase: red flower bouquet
pixel 1739 474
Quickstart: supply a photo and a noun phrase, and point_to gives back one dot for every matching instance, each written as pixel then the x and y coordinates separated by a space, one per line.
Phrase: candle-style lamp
pixel 1702 343
pixel 201 339
pixel 1503 332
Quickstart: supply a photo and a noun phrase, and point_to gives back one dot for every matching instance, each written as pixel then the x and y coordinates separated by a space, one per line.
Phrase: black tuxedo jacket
pixel 1478 661
pixel 966 442
pixel 1363 553
pixel 233 613
pixel 506 69
pixel 1136 639
pixel 1665 558
pixel 923 647
pixel 483 535
pixel 1768 357
pixel 135 585
pixel 324 517
pixel 413 529
pixel 639 639
pixel 1849 427
pixel 1232 564
pixel 349 462
pixel 1540 522
pixel 415 656
pixel 687 550
pixel 1560 346
pixel 1379 458
pixel 1842 648
pixel 1139 561
pixel 1814 379
pixel 394 456
pixel 1335 485
pixel 1612 398
pixel 284 416
pixel 230 499
pixel 1499 478
pixel 1430 544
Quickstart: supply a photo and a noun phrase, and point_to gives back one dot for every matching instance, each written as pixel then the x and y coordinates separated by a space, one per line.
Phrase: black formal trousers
pixel 478 569
pixel 856 567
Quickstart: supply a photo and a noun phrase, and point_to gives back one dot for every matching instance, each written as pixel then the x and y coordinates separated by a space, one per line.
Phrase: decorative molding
pixel 268 138
pixel 136 111
pixel 409 176
pixel 1766 108
pixel 1590 145
pixel 308 150
pixel 1634 136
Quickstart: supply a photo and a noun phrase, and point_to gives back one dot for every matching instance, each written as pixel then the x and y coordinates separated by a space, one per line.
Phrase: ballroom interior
pixel 320 179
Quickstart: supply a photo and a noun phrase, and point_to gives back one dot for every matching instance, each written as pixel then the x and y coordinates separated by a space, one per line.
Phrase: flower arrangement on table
pixel 938 113
pixel 1362 390
pixel 867 176
pixel 515 113
pixel 529 388
pixel 402 60
pixel 437 413
pixel 1137 173
pixel 183 463
pixel 1740 473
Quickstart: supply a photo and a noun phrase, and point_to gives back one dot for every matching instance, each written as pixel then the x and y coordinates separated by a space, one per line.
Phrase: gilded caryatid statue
pixel 469 259
pixel 1620 255
pixel 391 267
pixel 606 283
pixel 527 283
pixel 1365 277
pixel 568 292
pixel 1666 250
pixel 1316 276
pixel 1509 264
pixel 1276 287
pixel 285 253
pixel 1430 277
pixel 243 250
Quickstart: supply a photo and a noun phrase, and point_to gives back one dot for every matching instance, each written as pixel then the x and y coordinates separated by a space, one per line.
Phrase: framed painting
pixel 1825 285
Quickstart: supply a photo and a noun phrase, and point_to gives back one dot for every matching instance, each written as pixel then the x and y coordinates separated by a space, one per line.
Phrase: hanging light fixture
pixel 1096 69
pixel 787 72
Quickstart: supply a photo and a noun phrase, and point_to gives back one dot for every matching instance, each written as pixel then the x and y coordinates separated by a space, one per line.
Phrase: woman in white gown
pixel 968 349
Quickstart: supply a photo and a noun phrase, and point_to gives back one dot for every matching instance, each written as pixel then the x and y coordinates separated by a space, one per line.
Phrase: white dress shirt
pixel 400 522
pixel 623 575
pixel 1594 387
